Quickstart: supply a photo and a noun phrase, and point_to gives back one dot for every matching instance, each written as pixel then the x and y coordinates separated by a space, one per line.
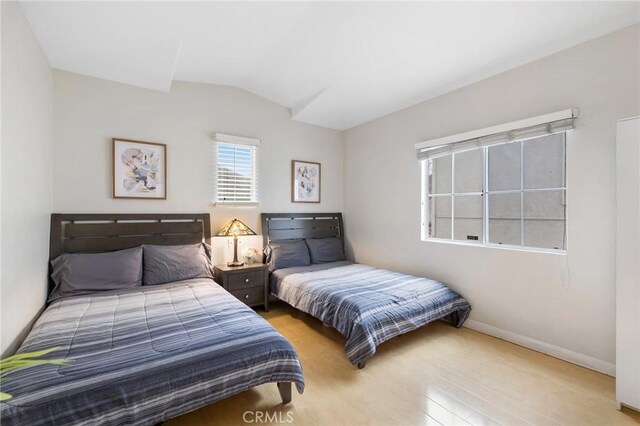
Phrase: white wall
pixel 88 112
pixel 27 140
pixel 568 302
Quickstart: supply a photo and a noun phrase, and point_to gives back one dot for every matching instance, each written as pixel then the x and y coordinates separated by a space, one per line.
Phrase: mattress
pixel 367 305
pixel 144 355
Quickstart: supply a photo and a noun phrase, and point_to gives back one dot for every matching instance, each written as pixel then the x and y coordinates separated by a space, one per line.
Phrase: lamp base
pixel 235 263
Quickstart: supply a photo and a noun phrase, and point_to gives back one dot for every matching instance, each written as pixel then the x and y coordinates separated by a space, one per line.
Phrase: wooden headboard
pixel 92 233
pixel 299 226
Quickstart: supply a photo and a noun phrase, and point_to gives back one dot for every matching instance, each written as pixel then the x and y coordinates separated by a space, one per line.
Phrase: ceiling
pixel 333 64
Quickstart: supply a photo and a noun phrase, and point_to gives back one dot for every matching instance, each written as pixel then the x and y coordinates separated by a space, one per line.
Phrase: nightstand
pixel 249 283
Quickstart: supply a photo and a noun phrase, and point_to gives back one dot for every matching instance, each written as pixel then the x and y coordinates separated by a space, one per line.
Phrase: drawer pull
pixel 246 280
pixel 246 296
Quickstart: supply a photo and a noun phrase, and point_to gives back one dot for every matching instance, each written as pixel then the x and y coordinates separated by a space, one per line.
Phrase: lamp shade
pixel 235 228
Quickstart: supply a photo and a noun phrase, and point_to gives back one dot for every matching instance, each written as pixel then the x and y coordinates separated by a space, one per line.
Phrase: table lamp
pixel 234 229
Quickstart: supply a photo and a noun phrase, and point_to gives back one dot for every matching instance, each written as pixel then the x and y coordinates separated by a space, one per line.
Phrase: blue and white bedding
pixel 367 305
pixel 144 355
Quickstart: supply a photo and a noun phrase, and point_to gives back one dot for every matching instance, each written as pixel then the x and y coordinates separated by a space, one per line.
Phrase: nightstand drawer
pixel 250 296
pixel 247 283
pixel 246 280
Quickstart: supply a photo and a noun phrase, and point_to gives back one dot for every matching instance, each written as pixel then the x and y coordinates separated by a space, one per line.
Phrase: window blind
pixel 535 127
pixel 236 172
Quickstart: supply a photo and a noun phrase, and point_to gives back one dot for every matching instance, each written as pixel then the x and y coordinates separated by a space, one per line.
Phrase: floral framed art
pixel 139 170
pixel 305 181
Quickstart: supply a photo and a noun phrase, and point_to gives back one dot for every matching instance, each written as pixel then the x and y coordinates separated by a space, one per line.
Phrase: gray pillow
pixel 77 274
pixel 325 250
pixel 287 254
pixel 165 264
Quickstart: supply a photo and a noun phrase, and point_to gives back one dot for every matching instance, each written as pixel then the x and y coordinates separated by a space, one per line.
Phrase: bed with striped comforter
pixel 368 305
pixel 145 355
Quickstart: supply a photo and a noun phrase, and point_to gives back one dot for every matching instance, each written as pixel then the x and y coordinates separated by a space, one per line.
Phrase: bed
pixel 143 355
pixel 367 305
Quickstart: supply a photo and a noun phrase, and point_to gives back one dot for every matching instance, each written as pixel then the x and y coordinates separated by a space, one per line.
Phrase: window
pixel 236 169
pixel 511 194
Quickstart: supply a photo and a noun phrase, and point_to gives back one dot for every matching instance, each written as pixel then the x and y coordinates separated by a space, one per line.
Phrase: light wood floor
pixel 434 375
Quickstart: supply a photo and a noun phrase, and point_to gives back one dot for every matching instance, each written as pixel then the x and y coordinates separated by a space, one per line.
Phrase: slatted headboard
pixel 298 226
pixel 92 233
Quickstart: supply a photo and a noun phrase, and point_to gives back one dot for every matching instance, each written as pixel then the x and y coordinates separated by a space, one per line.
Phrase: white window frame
pixel 254 145
pixel 425 197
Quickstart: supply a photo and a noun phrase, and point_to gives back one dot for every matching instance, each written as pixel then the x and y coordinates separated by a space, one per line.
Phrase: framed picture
pixel 305 182
pixel 139 170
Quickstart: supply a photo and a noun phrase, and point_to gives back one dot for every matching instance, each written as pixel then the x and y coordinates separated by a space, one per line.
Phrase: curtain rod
pixel 500 128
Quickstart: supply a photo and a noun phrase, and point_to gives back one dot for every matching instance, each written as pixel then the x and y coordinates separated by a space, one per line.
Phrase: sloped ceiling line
pixel 333 64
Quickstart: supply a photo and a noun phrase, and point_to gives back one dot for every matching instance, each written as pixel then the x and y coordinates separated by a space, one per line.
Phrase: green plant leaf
pixel 28 359
pixel 24 360
pixel 24 355
pixel 29 362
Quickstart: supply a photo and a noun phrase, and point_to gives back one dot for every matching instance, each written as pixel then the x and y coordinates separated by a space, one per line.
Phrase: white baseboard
pixel 573 357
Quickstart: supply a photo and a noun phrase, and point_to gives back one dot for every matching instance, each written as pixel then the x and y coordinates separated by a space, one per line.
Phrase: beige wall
pixel 88 112
pixel 27 140
pixel 567 302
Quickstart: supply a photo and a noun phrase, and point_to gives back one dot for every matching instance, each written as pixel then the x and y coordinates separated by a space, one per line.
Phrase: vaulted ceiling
pixel 334 64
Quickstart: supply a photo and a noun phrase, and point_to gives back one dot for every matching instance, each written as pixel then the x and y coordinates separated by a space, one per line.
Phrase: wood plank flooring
pixel 437 375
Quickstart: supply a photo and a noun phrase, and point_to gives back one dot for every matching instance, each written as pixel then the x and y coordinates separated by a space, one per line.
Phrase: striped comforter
pixel 370 306
pixel 145 355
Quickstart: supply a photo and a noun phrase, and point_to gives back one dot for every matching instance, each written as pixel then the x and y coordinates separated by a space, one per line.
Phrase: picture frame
pixel 139 169
pixel 306 181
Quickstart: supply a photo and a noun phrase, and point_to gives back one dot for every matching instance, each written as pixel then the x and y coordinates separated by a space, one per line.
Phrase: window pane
pixel 469 171
pixel 544 162
pixel 504 167
pixel 504 219
pixel 440 217
pixel 236 179
pixel 525 198
pixel 544 219
pixel 468 217
pixel 440 175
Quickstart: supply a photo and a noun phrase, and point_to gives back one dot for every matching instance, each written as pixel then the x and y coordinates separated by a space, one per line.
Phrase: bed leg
pixel 285 392
pixel 362 364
